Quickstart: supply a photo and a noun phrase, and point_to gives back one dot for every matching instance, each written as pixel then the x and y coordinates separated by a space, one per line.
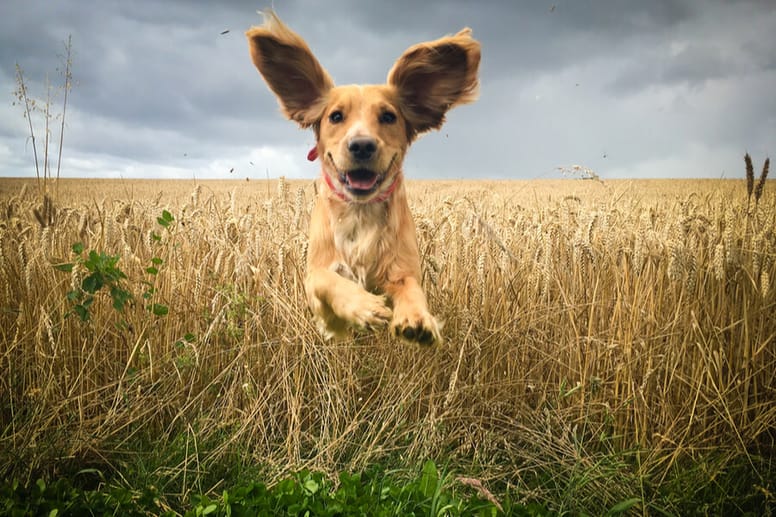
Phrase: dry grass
pixel 582 319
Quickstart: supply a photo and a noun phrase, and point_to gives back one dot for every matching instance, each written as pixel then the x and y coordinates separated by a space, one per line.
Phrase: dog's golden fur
pixel 363 267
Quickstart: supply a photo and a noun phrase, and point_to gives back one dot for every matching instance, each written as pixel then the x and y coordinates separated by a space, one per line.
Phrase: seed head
pixel 749 175
pixel 758 191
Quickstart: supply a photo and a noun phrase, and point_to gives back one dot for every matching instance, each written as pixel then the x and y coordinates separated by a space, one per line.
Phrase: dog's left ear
pixel 435 76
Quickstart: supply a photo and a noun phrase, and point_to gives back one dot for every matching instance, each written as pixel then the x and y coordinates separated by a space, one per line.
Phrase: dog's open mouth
pixel 361 182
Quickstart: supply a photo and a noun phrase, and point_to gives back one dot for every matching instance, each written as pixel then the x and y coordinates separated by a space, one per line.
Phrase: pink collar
pixel 313 155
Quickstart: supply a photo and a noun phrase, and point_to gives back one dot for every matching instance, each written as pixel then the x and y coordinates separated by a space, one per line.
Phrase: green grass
pixel 158 476
pixel 372 493
pixel 701 489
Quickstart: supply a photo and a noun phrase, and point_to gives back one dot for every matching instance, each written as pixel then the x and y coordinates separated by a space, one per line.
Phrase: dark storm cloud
pixel 659 88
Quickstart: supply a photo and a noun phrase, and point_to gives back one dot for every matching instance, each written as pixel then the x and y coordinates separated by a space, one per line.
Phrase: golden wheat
pixel 579 316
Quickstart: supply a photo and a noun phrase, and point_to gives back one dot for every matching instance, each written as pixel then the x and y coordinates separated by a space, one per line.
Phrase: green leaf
pixel 311 486
pixel 157 261
pixel 429 479
pixel 67 268
pixel 120 297
pixel 82 312
pixel 623 506
pixel 94 261
pixel 159 310
pixel 210 509
pixel 166 219
pixel 155 237
pixel 92 283
pixel 152 270
pixel 78 248
pixel 118 274
pixel 189 337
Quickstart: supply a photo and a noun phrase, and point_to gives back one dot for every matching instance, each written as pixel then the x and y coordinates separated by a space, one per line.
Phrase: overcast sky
pixel 629 89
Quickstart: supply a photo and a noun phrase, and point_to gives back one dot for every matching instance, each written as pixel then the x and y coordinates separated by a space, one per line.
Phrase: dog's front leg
pixel 338 302
pixel 411 319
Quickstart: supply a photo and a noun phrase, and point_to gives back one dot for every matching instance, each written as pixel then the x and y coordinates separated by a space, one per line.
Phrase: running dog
pixel 363 265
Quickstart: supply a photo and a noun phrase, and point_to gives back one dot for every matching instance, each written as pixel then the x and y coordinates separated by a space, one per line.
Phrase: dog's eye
pixel 387 117
pixel 336 117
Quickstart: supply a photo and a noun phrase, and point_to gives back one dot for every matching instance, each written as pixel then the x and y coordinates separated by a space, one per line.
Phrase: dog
pixel 363 264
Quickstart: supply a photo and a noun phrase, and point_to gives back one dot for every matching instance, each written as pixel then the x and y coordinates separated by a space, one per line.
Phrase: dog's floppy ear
pixel 435 76
pixel 290 69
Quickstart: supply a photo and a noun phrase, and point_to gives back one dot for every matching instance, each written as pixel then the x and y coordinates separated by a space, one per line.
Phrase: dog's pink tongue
pixel 362 181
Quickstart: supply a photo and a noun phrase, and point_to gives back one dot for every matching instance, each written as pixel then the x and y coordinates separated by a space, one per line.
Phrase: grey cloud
pixel 641 82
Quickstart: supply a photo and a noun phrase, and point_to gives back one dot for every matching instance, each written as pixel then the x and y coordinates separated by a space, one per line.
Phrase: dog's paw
pixel 366 311
pixel 420 327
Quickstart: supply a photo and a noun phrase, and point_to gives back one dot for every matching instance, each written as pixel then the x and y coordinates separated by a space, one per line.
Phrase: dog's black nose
pixel 362 147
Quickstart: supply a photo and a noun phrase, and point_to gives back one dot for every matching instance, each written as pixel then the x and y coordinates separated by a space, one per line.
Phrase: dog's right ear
pixel 290 69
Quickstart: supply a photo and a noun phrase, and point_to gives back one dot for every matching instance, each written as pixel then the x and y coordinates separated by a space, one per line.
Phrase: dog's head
pixel 363 131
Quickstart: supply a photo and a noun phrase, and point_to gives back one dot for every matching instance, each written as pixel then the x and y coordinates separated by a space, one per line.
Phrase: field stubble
pixel 609 333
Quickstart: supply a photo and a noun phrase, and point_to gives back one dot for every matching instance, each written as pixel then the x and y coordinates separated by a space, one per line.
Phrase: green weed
pixel 104 272
pixel 306 493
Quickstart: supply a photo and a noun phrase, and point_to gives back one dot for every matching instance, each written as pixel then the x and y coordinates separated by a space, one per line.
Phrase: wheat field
pixel 612 331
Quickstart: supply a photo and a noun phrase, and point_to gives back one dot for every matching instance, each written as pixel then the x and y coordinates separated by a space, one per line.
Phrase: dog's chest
pixel 359 237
